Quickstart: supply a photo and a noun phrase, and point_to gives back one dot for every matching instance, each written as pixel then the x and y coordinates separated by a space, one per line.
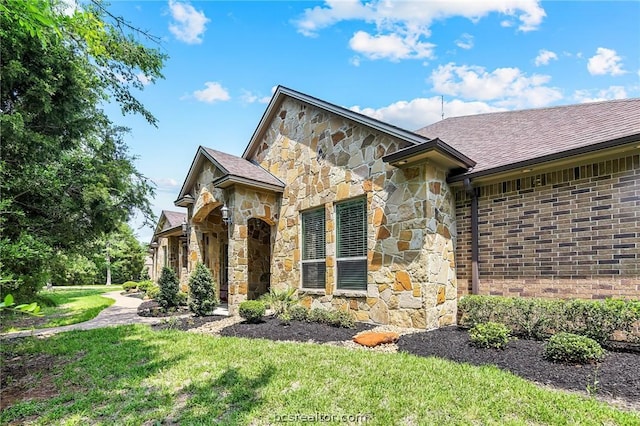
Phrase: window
pixel 351 258
pixel 313 249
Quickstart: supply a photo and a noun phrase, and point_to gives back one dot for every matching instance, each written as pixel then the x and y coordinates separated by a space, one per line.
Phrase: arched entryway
pixel 259 257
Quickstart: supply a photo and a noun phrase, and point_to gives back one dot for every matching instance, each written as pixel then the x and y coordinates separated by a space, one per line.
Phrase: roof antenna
pixel 442 105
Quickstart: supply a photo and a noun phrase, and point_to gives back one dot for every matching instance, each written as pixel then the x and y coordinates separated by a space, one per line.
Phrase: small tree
pixel 202 293
pixel 169 288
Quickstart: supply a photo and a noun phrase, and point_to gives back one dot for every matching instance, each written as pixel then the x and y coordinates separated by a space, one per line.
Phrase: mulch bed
pixel 186 324
pixel 300 331
pixel 618 374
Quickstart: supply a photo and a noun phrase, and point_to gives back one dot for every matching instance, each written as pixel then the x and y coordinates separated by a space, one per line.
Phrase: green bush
pixel 153 291
pixel 572 348
pixel 130 285
pixel 279 301
pixel 252 310
pixel 298 313
pixel 169 288
pixel 332 318
pixel 181 298
pixel 145 285
pixel 490 335
pixel 539 318
pixel 202 293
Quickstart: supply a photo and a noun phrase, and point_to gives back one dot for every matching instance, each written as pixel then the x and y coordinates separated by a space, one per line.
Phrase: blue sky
pixel 392 60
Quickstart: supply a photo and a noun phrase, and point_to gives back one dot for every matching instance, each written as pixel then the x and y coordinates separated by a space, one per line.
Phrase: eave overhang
pixel 230 180
pixel 433 150
pixel 611 146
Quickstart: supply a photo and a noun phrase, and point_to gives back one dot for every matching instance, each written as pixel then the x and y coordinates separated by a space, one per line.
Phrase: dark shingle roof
pixel 502 138
pixel 240 167
pixel 174 219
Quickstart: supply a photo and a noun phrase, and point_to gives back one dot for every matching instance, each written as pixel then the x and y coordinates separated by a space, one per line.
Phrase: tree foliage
pixel 66 176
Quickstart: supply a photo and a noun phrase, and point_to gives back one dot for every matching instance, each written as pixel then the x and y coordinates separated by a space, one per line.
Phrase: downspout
pixel 475 274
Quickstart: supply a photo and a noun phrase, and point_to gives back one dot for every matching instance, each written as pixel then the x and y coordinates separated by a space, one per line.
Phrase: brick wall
pixel 573 232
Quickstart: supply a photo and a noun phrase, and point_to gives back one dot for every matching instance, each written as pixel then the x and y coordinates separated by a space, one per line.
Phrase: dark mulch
pixel 186 324
pixel 618 374
pixel 300 331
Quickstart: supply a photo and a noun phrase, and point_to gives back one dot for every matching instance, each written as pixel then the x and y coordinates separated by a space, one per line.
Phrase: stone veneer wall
pixel 573 232
pixel 259 266
pixel 324 159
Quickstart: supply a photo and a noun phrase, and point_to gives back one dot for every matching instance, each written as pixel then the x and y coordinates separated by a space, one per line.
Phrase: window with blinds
pixel 351 257
pixel 313 249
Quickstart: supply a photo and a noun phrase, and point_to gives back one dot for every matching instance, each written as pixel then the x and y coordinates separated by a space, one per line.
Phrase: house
pixel 168 248
pixel 395 225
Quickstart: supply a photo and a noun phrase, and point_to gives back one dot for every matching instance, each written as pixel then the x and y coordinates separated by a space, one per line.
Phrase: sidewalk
pixel 124 311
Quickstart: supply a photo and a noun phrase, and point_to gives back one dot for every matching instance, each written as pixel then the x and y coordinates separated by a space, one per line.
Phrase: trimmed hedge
pixel 490 335
pixel 130 285
pixel 573 349
pixel 252 310
pixel 540 318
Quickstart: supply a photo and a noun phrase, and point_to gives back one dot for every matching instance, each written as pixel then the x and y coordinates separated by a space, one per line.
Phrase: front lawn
pixel 133 375
pixel 63 306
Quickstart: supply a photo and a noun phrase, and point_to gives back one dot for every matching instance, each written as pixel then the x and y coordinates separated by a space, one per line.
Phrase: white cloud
pixel 355 61
pixel 405 25
pixel 166 184
pixel 249 97
pixel 189 25
pixel 605 61
pixel 212 92
pixel 544 57
pixel 392 46
pixel 420 112
pixel 613 92
pixel 505 87
pixel 465 41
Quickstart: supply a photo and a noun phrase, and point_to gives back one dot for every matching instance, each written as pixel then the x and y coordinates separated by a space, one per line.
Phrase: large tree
pixel 66 178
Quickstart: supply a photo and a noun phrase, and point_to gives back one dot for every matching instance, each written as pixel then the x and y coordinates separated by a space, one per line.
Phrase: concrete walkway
pixel 124 311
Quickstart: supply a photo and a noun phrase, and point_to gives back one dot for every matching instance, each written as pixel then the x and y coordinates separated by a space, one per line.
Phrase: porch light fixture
pixel 185 227
pixel 225 214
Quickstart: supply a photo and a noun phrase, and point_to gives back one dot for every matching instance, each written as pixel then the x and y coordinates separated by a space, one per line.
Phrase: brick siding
pixel 573 232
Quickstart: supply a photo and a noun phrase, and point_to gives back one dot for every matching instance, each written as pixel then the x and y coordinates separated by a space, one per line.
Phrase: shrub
pixel 252 310
pixel 572 348
pixel 145 285
pixel 332 318
pixel 319 315
pixel 153 291
pixel 298 313
pixel 490 335
pixel 181 298
pixel 539 318
pixel 169 288
pixel 202 294
pixel 280 301
pixel 129 286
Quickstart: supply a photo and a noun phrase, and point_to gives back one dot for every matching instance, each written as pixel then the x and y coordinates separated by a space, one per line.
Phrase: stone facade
pixel 567 233
pixel 324 159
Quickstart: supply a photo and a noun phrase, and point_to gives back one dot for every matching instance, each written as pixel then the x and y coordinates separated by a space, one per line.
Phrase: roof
pixel 234 169
pixel 239 167
pixel 497 141
pixel 174 219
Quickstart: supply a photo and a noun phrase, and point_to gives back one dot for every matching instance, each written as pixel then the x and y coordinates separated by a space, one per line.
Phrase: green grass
pixel 63 306
pixel 132 375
